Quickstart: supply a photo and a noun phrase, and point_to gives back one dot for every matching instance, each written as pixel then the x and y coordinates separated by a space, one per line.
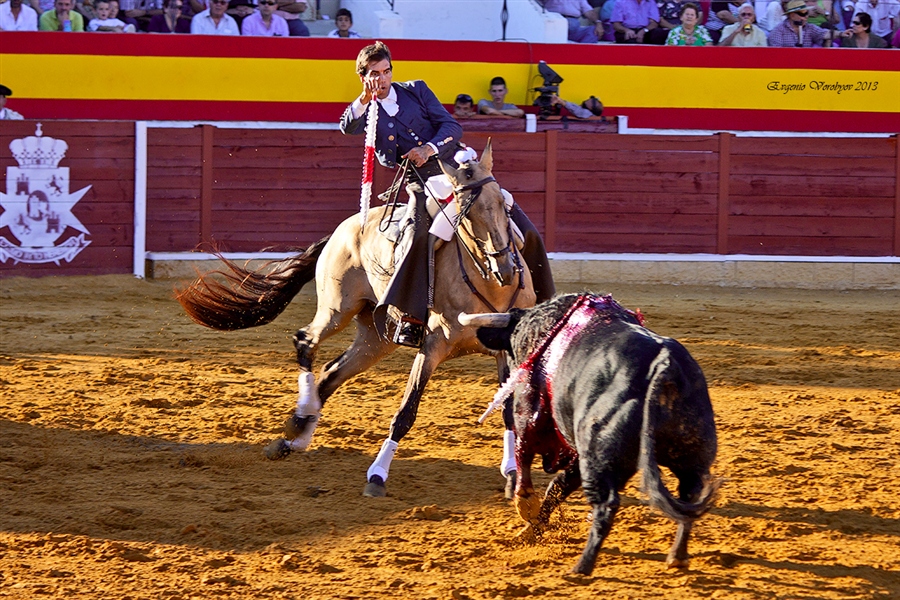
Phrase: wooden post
pixel 206 185
pixel 550 191
pixel 897 195
pixel 724 206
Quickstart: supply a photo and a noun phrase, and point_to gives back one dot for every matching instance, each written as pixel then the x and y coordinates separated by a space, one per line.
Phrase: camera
pixel 544 101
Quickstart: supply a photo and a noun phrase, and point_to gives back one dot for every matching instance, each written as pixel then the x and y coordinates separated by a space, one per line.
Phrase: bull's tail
pixel 248 298
pixel 660 496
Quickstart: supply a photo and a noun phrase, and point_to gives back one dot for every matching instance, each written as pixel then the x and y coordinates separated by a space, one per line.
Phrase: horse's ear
pixel 487 157
pixel 450 172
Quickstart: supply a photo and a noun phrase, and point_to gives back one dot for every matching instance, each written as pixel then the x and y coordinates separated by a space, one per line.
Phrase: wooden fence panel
pixel 99 159
pixel 174 175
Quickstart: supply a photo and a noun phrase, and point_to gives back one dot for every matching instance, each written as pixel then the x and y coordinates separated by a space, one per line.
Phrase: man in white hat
pixel 795 31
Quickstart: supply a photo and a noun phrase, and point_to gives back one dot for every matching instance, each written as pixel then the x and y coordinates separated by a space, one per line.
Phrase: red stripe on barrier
pixel 330 112
pixel 446 51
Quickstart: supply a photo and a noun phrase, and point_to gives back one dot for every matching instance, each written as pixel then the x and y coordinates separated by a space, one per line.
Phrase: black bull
pixel 599 396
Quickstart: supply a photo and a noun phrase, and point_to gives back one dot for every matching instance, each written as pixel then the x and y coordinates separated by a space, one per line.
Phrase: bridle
pixel 475 188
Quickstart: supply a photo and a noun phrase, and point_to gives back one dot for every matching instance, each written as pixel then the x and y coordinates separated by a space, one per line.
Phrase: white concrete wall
pixel 473 20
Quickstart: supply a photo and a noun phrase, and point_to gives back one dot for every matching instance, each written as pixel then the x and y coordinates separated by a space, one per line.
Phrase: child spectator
pixel 171 20
pixel 265 21
pixel 344 21
pixel 104 22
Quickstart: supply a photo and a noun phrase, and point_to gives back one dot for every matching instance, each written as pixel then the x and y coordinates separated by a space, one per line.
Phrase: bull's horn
pixel 484 319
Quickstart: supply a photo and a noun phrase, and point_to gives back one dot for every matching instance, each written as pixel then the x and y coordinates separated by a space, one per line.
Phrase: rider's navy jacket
pixel 421 119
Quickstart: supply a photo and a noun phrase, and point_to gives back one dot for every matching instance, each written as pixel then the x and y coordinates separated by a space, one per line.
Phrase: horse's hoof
pixel 375 488
pixel 278 449
pixel 528 507
pixel 510 485
pixel 673 562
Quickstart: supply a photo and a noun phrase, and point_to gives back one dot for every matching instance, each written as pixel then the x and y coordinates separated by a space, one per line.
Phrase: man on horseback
pixel 413 125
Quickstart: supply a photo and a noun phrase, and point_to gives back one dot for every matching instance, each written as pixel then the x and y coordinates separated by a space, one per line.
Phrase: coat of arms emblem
pixel 37 205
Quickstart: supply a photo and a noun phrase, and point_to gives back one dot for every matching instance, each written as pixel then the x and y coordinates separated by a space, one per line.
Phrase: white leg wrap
pixel 509 453
pixel 308 405
pixel 382 463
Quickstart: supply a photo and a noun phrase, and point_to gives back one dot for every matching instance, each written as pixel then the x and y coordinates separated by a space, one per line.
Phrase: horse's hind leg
pixel 367 349
pixel 299 428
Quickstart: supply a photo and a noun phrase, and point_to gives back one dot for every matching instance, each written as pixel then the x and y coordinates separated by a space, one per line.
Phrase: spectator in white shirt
pixel 214 20
pixel 15 16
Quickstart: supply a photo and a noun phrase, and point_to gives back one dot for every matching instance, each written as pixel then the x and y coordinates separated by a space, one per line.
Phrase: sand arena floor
pixel 131 459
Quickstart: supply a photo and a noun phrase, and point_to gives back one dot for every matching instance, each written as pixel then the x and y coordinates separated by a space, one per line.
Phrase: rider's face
pixel 380 73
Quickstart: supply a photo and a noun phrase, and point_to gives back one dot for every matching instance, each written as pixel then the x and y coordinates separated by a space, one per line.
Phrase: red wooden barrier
pixel 244 190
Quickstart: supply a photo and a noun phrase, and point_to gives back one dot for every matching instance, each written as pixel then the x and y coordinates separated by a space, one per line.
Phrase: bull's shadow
pixel 845 521
pixel 219 496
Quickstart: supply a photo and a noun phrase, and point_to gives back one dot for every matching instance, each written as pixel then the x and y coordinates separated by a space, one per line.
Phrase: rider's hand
pixel 419 155
pixel 370 90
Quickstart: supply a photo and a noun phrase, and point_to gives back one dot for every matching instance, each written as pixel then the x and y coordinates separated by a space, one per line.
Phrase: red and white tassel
pixel 365 196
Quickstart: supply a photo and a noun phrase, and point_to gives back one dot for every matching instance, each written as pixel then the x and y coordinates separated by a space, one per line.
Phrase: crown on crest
pixel 37 151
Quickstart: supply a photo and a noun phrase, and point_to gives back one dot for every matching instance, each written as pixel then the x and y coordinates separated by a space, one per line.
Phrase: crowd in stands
pixel 779 23
pixel 213 17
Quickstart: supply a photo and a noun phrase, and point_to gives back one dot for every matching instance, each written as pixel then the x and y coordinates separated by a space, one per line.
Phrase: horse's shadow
pixel 105 485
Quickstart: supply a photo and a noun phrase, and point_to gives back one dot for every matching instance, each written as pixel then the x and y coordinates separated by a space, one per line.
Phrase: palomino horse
pixel 352 269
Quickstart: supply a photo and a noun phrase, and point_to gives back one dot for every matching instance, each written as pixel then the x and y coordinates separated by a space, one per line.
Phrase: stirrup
pixel 410 332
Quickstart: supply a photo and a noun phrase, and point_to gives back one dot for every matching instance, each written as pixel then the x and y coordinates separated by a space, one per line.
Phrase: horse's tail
pixel 249 298
pixel 660 497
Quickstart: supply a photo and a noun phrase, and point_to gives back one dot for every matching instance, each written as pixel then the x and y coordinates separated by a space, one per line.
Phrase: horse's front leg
pixel 422 369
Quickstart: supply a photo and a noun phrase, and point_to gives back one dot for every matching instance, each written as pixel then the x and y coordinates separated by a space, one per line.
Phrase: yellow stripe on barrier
pixel 92 77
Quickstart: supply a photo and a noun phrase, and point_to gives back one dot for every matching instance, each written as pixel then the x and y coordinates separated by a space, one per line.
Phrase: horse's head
pixel 483 219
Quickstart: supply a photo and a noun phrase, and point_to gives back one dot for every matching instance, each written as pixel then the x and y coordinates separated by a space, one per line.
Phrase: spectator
pixel 669 11
pixel 7 114
pixel 822 13
pixel 592 107
pixel 746 33
pixel 214 21
pixel 497 105
pixel 265 21
pixel 860 34
pixel 170 21
pixel 689 33
pixel 633 19
pixel 290 10
pixel 344 21
pixel 464 107
pixel 104 22
pixel 720 15
pixel 788 33
pixel 62 18
pixel 884 15
pixel 86 9
pixel 15 16
pixel 42 6
pixel 142 11
pixel 572 11
pixel 117 12
pixel 240 10
pixel 770 13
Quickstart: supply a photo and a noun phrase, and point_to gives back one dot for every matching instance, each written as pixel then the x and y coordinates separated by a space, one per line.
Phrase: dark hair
pixel 594 105
pixel 167 3
pixel 376 52
pixel 465 98
pixel 498 81
pixel 688 5
pixel 343 12
pixel 865 20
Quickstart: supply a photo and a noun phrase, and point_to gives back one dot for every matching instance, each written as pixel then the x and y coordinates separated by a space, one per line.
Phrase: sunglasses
pixel 464 98
pixel 800 13
pixel 856 23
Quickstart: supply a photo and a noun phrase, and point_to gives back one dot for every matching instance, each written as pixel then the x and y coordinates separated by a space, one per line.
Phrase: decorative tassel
pixel 365 196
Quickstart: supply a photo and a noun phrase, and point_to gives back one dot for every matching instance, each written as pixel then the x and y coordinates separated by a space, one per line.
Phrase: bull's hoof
pixel 510 485
pixel 528 507
pixel 673 562
pixel 295 426
pixel 278 449
pixel 375 488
